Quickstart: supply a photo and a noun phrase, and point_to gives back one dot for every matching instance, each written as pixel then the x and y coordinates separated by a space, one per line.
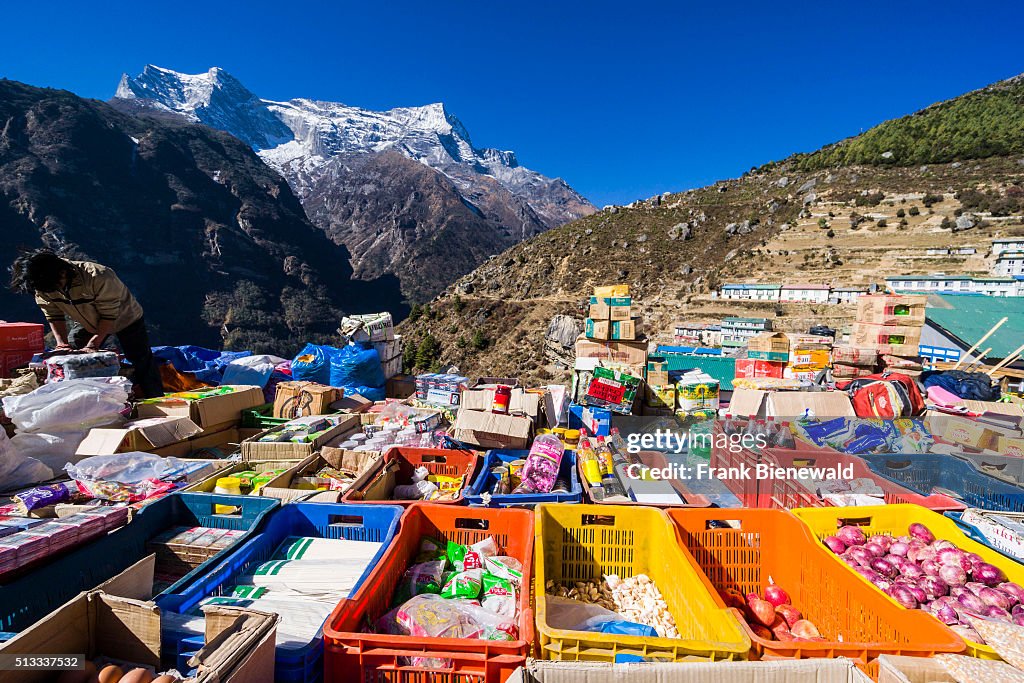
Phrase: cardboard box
pixel 631 353
pixel 21 337
pixel 597 329
pixel 400 386
pixel 837 670
pixel 425 420
pixel 775 356
pixel 491 382
pixel 749 368
pixel 790 404
pixel 657 371
pixel 146 434
pixel 440 389
pixel 810 359
pixel 521 402
pixel 962 431
pixel 12 360
pixel 226 440
pixel 899 669
pixel 611 291
pixel 297 399
pixel 209 411
pixel 492 430
pixel 600 309
pixel 660 396
pixel 254 450
pixel 1006 445
pixel 626 330
pixel 769 342
pixel 370 327
pixel 352 462
pixel 613 390
pixel 897 340
pixel 892 309
pixel 118 620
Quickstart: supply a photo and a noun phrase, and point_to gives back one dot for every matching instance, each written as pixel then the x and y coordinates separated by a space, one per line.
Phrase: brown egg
pixel 165 679
pixel 110 674
pixel 137 676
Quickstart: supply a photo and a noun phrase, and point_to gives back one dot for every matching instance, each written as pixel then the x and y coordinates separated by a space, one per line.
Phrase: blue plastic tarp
pixel 206 364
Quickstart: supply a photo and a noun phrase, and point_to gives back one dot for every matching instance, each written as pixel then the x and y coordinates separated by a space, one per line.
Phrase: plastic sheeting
pixel 206 364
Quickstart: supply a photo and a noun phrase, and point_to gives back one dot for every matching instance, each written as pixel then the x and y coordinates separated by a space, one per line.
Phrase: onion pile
pixel 920 572
pixel 772 617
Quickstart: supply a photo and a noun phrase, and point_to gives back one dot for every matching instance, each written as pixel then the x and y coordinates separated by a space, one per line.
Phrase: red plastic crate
pixel 353 656
pixel 894 493
pixel 21 337
pixel 439 461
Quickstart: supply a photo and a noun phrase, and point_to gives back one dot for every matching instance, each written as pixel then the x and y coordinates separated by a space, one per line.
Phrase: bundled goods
pixel 299 399
pixel 302 582
pixel 181 549
pixel 456 591
pixel 23 542
pixel 397 424
pixel 125 477
pixel 540 471
pixel 299 430
pixel 370 327
pixel 919 572
pixel 772 616
pixel 611 315
pixel 889 323
pixel 81 366
pixel 697 394
pixel 773 346
pixel 390 352
pixel 440 389
pixel 355 367
pixel 862 435
pixel 613 390
pixel 635 601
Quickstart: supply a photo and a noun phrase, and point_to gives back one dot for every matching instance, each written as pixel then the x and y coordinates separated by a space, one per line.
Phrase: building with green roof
pixel 954 322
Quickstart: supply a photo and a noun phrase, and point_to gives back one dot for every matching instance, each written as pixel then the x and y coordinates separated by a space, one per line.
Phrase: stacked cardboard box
pixel 478 425
pixel 390 352
pixel 891 325
pixel 660 393
pixel 809 354
pixel 611 315
pixel 18 343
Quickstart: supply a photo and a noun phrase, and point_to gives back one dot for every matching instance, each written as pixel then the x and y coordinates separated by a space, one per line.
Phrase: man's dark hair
pixel 37 271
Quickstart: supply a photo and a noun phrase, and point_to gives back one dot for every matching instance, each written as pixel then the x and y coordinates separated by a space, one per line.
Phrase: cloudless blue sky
pixel 622 99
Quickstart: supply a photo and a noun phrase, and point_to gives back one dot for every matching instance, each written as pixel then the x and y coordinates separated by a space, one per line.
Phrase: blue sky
pixel 622 99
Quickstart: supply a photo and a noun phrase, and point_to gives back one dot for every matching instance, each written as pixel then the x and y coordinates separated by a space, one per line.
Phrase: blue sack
pixel 357 368
pixel 206 365
pixel 313 364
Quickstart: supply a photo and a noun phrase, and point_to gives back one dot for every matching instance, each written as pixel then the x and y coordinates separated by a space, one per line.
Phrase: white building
pixel 955 284
pixel 737 331
pixel 815 294
pixel 1007 244
pixel 700 333
pixel 846 295
pixel 1009 264
pixel 750 292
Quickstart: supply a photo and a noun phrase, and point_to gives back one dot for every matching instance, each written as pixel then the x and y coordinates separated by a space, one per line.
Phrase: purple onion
pixel 852 535
pixel 835 544
pixel 873 548
pixel 972 602
pixel 883 568
pixel 1018 618
pixel 930 567
pixel 899 548
pixel 1014 590
pixel 911 570
pixel 997 613
pixel 957 591
pixel 883 585
pixel 989 574
pixel 934 587
pixel 944 613
pixel 952 575
pixel 883 540
pixel 904 595
pixel 868 573
pixel 995 598
pixel 921 532
pixel 974 586
pixel 943 543
pixel 919 593
pixel 860 555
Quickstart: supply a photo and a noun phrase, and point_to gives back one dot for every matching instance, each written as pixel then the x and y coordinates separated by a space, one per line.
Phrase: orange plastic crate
pixel 440 461
pixel 354 656
pixel 894 493
pixel 858 622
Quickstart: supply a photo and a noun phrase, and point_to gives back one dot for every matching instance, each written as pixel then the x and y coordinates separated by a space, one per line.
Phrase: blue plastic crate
pixel 26 599
pixel 321 520
pixel 924 473
pixel 485 481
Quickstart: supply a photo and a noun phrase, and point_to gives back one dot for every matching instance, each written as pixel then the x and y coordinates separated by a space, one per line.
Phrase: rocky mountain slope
pixel 323 148
pixel 807 218
pixel 212 241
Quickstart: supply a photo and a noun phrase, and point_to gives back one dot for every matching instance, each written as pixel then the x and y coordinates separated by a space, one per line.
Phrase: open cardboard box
pixel 897 669
pixel 145 434
pixel 118 620
pixel 351 462
pixel 492 430
pixel 208 412
pixel 521 402
pixel 799 671
pixel 227 440
pixel 760 403
pixel 255 450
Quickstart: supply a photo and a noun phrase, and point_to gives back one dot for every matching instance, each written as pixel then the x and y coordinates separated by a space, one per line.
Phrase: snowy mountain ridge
pixel 299 137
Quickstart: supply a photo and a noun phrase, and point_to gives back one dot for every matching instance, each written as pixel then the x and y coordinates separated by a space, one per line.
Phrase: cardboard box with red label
pixel 749 368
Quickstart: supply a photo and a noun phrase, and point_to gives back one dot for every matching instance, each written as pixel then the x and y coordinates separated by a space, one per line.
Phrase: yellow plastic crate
pixel 585 542
pixel 894 520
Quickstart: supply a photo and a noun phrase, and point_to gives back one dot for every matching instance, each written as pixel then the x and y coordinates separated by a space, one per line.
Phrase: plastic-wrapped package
pixel 81 366
pixel 18 469
pixel 129 477
pixel 425 577
pixel 74 405
pixel 432 616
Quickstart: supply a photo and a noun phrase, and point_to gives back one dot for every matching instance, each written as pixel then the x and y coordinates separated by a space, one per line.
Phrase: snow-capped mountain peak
pixel 300 136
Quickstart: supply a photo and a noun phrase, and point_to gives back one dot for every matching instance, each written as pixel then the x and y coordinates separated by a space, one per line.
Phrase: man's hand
pixel 94 344
pixel 63 347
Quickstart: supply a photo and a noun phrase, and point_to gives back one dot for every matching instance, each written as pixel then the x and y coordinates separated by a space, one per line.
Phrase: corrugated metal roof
pixel 969 316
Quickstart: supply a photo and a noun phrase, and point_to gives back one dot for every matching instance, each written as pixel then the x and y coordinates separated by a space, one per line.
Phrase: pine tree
pixel 427 352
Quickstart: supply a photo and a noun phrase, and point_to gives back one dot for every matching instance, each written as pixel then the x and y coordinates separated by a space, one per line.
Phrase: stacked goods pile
pixel 851 362
pixel 697 395
pixel 767 356
pixel 611 315
pixel 809 354
pixel 660 392
pixel 890 324
pixel 376 330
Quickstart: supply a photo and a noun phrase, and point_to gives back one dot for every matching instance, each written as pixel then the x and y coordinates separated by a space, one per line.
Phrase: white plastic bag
pixel 53 450
pixel 72 405
pixel 18 470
